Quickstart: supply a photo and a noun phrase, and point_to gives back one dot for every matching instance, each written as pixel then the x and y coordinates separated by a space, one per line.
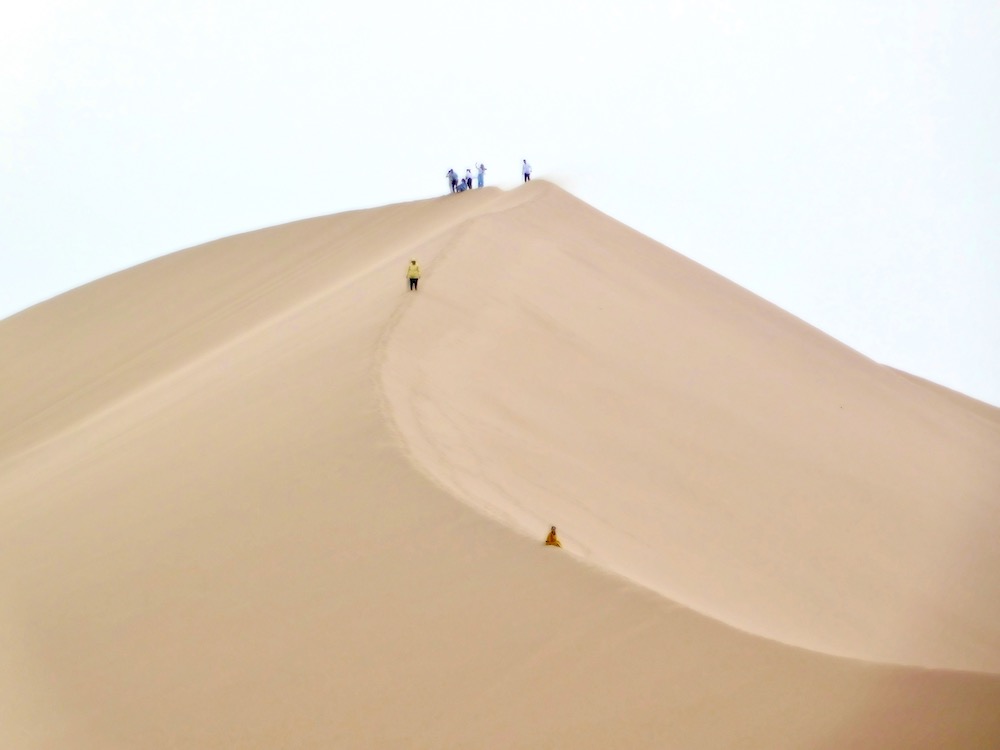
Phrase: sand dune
pixel 684 427
pixel 256 495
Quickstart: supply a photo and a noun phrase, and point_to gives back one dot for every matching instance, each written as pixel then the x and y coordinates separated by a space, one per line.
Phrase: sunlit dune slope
pixel 67 358
pixel 236 509
pixel 564 369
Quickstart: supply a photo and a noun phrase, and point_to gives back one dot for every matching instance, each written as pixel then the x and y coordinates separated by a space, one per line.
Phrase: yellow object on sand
pixel 552 540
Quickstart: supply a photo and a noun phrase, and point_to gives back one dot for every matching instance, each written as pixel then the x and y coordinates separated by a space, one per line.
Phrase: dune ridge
pixel 249 497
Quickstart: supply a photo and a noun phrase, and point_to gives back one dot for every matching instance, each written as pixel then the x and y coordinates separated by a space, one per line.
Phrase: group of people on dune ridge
pixel 461 184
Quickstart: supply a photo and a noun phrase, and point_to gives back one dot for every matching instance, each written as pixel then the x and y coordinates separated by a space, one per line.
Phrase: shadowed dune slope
pixel 240 495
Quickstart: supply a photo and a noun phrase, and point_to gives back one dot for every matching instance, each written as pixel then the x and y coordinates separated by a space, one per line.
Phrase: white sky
pixel 841 159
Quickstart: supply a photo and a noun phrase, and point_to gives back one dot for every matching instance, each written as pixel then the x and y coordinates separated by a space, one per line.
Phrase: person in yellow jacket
pixel 413 273
pixel 552 540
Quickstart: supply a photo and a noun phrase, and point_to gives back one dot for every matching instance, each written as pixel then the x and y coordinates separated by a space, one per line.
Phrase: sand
pixel 256 494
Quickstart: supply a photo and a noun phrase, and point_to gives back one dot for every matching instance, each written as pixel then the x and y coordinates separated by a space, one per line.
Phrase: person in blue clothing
pixel 480 175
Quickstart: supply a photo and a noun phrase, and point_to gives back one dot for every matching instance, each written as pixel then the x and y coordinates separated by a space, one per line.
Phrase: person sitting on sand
pixel 552 540
pixel 413 274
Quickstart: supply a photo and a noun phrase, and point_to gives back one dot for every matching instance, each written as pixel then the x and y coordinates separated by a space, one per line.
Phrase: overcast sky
pixel 841 159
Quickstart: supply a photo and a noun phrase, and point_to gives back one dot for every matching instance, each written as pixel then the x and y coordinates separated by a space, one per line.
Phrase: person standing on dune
pixel 468 178
pixel 413 274
pixel 526 170
pixel 480 175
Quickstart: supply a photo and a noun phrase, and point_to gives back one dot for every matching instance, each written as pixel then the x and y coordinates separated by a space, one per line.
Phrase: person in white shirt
pixel 526 170
pixel 468 178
